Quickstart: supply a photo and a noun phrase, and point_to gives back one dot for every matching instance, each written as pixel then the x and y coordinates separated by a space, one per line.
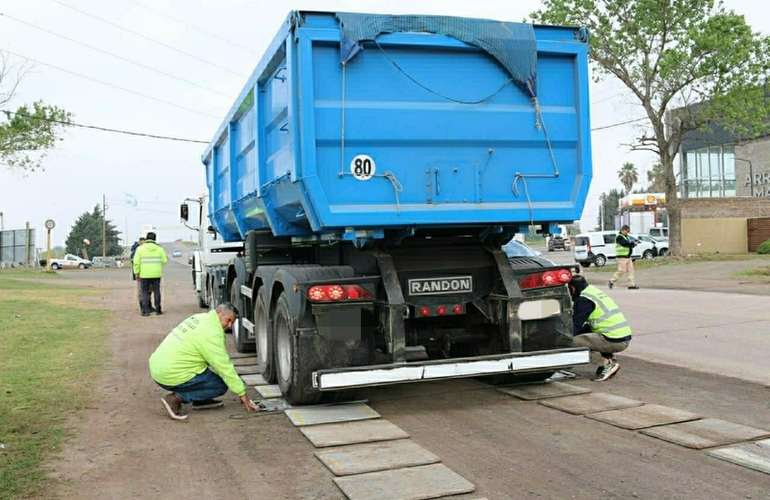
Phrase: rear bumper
pixel 520 362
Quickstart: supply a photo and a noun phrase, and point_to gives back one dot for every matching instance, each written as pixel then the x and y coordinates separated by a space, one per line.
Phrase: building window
pixel 709 173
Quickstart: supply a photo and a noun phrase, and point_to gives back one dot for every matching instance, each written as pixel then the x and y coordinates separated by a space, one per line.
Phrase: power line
pixel 115 86
pixel 618 124
pixel 197 28
pixel 193 56
pixel 107 129
pixel 116 56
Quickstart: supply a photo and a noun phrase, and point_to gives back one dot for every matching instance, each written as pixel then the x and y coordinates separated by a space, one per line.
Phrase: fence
pixel 14 245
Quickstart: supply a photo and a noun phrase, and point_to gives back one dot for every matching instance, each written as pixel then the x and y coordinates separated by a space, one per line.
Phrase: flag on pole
pixel 130 200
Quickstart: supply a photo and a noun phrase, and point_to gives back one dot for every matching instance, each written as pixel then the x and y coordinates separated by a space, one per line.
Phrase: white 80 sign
pixel 362 167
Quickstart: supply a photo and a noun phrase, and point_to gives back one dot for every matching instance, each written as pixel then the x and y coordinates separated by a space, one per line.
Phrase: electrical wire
pixel 196 28
pixel 114 86
pixel 113 130
pixel 618 124
pixel 193 56
pixel 160 72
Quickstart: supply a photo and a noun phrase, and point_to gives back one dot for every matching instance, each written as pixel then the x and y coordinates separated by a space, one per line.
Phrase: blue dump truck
pixel 370 173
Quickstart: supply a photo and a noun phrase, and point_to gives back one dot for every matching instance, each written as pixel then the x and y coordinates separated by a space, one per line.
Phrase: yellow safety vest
pixel 620 250
pixel 606 317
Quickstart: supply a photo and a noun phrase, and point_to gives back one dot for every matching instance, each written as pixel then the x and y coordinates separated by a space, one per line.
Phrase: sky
pixel 173 68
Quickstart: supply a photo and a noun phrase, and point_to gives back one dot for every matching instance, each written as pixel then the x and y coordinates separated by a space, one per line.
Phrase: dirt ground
pixel 127 447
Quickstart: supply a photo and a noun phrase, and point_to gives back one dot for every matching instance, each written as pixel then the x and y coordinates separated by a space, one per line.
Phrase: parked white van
pixel 599 246
pixel 658 232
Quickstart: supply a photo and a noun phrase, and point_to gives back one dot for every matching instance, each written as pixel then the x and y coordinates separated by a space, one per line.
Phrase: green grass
pixel 657 262
pixel 762 272
pixel 53 342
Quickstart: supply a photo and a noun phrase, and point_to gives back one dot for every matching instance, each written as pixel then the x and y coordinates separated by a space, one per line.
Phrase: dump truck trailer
pixel 372 168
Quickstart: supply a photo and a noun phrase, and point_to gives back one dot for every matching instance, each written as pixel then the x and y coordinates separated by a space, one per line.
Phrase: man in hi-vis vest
pixel 624 245
pixel 598 324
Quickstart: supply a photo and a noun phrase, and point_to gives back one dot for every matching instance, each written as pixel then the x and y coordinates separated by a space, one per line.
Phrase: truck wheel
pixel 600 260
pixel 292 373
pixel 55 266
pixel 82 266
pixel 239 331
pixel 263 334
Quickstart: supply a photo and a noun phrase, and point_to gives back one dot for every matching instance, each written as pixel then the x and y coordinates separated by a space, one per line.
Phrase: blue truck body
pixel 442 133
pixel 367 177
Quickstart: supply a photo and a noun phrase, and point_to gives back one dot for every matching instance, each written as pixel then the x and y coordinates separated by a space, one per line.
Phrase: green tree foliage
pixel 89 226
pixel 655 179
pixel 673 54
pixel 609 209
pixel 28 133
pixel 628 176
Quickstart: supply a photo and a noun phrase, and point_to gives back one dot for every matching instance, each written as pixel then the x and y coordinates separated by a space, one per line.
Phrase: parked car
pixel 599 246
pixel 176 253
pixel 660 245
pixel 558 242
pixel 70 262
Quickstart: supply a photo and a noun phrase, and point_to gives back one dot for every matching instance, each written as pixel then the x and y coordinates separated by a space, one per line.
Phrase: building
pixel 724 189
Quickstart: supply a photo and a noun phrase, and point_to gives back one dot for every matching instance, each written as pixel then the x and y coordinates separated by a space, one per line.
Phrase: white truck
pixel 211 257
pixel 70 262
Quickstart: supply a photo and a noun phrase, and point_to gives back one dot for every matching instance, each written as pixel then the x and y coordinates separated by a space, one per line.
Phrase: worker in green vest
pixel 598 324
pixel 624 246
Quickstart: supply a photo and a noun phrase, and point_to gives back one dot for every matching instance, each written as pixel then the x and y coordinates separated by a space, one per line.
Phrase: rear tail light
pixel 556 277
pixel 337 293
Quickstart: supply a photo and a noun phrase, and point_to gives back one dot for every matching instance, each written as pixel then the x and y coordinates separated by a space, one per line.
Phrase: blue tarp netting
pixel 512 44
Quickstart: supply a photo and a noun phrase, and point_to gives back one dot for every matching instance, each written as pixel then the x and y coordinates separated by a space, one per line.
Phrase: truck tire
pixel 600 260
pixel 263 334
pixel 239 331
pixel 293 375
pixel 55 266
pixel 250 252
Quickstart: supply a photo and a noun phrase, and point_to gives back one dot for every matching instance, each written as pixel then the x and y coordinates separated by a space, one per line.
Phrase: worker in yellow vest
pixel 624 246
pixel 598 324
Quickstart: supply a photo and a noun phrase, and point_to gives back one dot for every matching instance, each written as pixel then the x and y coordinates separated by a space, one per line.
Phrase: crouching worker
pixel 598 324
pixel 183 363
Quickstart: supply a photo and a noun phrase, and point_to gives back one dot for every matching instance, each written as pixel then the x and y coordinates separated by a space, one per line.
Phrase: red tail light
pixel 336 293
pixel 557 277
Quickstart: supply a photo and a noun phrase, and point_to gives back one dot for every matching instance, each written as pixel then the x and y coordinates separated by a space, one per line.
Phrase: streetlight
pixel 751 173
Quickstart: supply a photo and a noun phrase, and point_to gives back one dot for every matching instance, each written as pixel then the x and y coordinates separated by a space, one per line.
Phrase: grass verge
pixel 53 342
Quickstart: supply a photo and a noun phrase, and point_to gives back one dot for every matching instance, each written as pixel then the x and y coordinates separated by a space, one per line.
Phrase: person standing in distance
pixel 624 246
pixel 182 363
pixel 149 260
pixel 598 324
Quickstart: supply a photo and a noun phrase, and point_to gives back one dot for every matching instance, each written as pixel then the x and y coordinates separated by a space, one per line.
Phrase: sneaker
pixel 173 403
pixel 610 284
pixel 608 371
pixel 152 310
pixel 158 312
pixel 207 404
pixel 633 287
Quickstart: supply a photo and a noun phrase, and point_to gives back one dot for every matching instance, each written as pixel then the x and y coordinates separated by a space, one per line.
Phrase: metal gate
pixel 758 231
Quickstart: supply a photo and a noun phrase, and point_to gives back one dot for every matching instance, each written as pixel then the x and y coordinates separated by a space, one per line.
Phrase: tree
pixel 656 179
pixel 89 227
pixel 28 133
pixel 628 176
pixel 690 64
pixel 609 208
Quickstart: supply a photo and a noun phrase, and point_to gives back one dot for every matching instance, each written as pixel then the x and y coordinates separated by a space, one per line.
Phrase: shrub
pixel 764 247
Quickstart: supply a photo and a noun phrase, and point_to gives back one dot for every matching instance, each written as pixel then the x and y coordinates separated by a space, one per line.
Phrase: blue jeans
pixel 150 286
pixel 202 387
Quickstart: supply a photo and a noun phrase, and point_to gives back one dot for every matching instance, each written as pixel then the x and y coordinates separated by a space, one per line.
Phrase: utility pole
pixel 104 226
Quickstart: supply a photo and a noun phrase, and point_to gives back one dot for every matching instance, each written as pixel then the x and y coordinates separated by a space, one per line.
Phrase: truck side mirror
pixel 184 212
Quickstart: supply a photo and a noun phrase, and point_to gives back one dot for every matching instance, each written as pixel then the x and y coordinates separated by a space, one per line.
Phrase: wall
pixel 714 235
pixel 725 208
pixel 752 168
